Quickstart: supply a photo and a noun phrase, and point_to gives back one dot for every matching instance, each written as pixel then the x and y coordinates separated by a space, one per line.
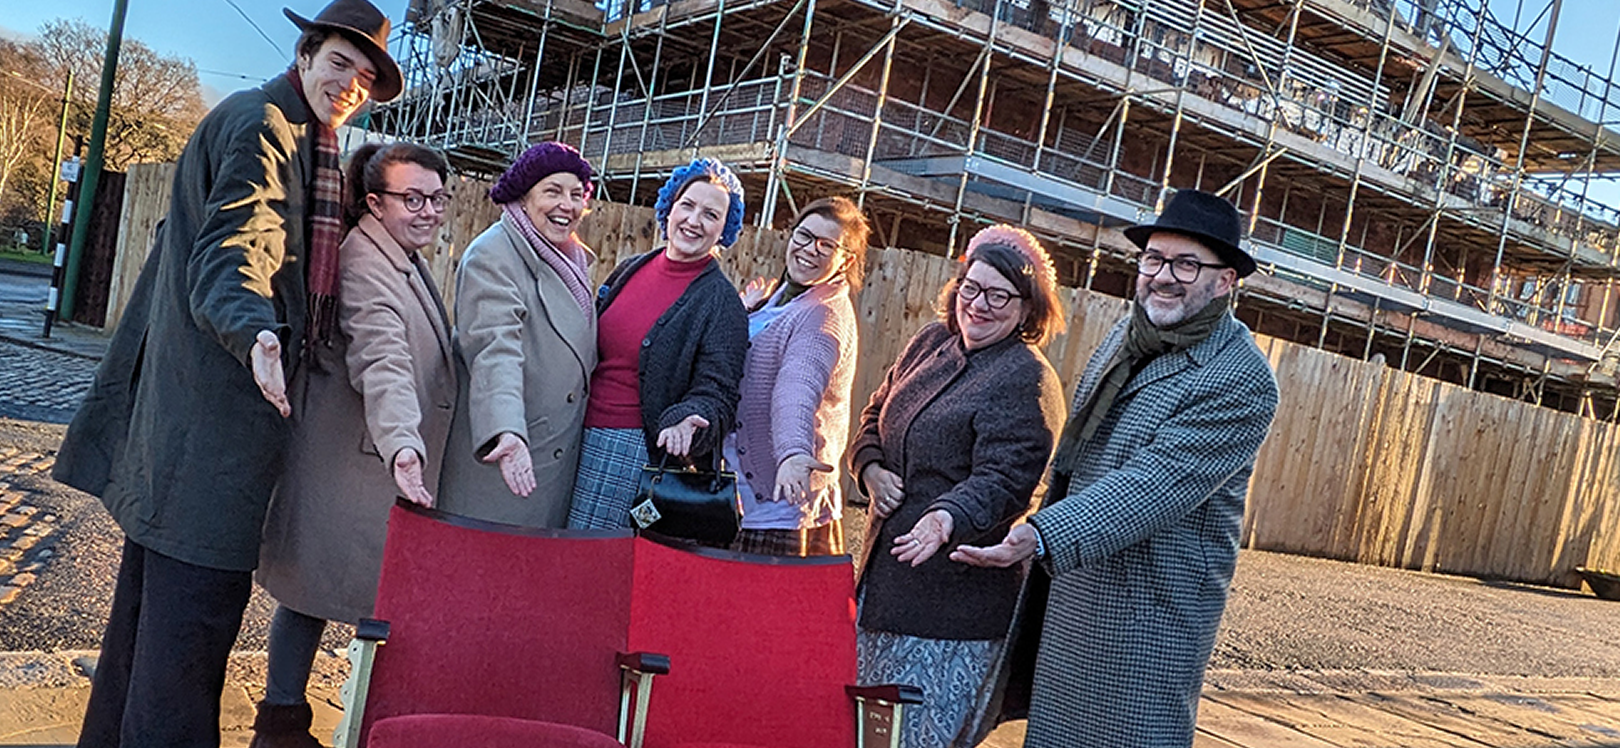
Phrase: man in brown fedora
pixel 182 435
pixel 1138 535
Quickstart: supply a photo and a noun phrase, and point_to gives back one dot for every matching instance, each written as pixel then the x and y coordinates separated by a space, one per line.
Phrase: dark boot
pixel 283 726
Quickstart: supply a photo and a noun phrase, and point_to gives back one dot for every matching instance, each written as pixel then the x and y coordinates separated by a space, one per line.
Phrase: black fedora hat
pixel 1203 216
pixel 361 23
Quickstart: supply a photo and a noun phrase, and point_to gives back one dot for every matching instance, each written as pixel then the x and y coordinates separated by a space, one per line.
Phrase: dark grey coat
pixel 969 432
pixel 174 435
pixel 691 361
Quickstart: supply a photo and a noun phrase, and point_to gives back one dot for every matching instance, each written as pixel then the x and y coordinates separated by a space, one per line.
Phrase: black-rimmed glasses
pixel 995 298
pixel 824 247
pixel 415 201
pixel 1182 269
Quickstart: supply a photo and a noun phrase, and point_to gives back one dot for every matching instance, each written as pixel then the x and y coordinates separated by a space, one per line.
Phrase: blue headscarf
pixel 715 171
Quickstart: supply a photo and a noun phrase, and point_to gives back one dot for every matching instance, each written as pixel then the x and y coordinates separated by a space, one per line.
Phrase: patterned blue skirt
pixel 954 675
pixel 610 463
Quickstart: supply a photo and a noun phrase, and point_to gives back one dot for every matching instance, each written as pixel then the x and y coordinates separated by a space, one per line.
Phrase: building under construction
pixel 1418 175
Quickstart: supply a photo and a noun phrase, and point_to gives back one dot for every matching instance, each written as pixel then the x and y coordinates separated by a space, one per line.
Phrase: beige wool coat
pixel 526 351
pixel 388 382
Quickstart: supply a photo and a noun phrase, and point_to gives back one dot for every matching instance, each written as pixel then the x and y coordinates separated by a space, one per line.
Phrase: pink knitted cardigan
pixel 796 388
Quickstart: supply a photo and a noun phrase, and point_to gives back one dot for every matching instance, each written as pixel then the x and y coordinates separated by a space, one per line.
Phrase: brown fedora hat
pixel 361 23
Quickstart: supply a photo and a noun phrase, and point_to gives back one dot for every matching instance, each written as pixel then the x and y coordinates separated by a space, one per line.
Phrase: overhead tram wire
pixel 252 23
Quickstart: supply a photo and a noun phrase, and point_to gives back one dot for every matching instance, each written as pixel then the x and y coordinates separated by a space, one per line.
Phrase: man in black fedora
pixel 1138 535
pixel 183 433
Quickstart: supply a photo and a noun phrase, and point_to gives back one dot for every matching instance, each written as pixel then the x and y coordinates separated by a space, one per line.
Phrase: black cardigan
pixel 969 432
pixel 691 360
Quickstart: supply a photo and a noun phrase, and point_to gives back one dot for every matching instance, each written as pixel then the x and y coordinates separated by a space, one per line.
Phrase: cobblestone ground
pixel 40 385
pixel 25 531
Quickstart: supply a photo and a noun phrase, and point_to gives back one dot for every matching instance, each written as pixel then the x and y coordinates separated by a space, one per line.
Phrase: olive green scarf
pixel 1143 342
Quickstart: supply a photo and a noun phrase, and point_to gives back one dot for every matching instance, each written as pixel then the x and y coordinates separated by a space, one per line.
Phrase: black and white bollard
pixel 64 231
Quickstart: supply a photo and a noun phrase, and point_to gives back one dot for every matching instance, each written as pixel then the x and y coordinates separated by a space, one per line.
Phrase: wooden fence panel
pixel 146 201
pixel 1364 463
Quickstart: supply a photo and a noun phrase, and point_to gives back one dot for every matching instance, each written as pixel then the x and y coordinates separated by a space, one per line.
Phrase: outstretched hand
pixel 517 469
pixel 267 371
pixel 793 478
pixel 677 439
pixel 930 534
pixel 408 476
pixel 757 291
pixel 1019 545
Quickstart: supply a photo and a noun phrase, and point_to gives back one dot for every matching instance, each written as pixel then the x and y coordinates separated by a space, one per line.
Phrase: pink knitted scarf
pixel 569 267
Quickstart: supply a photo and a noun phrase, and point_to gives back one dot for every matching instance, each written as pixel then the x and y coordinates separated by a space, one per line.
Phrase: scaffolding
pixel 1417 174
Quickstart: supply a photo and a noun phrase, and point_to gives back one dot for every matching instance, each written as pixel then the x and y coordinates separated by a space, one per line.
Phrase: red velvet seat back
pixel 500 621
pixel 760 649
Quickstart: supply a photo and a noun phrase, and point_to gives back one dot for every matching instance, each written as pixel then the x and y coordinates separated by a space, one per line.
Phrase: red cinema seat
pixel 474 731
pixel 490 636
pixel 764 648
pixel 476 618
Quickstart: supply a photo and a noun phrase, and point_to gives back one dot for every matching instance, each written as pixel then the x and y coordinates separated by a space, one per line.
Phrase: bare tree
pixel 157 99
pixel 23 102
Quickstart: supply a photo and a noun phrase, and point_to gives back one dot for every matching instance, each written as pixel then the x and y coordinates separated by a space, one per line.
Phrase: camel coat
pixel 386 383
pixel 526 354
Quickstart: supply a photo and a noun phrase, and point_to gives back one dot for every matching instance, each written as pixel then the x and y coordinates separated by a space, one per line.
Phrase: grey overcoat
pixel 526 351
pixel 174 435
pixel 1142 546
pixel 386 383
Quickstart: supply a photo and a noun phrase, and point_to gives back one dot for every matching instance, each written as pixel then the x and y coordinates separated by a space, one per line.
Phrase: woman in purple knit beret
pixel 526 339
pixel 793 419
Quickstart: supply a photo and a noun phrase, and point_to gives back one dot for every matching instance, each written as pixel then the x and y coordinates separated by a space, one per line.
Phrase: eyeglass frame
pixel 1145 257
pixel 968 297
pixel 439 200
pixel 820 243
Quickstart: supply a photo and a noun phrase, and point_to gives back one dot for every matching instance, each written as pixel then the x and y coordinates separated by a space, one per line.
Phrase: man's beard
pixel 1192 300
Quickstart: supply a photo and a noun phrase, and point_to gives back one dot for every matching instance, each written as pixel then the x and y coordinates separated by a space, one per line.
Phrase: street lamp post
pixel 56 164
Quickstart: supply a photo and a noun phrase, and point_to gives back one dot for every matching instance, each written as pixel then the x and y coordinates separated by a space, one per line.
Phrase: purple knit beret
pixel 541 160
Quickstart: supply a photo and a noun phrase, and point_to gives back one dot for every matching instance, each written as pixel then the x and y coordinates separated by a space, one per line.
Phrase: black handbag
pixel 688 503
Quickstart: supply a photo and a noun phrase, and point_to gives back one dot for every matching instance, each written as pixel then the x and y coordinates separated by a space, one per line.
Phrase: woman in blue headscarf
pixel 671 338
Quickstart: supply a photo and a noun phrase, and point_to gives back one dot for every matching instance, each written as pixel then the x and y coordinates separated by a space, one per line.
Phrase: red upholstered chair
pixel 472 731
pixel 763 648
pixel 492 636
pixel 501 634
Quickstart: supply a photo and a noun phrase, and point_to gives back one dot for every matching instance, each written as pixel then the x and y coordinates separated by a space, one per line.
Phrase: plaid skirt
pixel 610 463
pixel 826 540
pixel 955 677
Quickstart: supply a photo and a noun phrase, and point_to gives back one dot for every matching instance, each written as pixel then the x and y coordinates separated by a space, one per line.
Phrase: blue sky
pixel 210 32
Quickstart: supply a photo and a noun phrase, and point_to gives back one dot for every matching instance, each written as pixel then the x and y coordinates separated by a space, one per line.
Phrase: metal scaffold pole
pixel 1448 168
pixel 776 180
pixel 1175 119
pixel 1518 165
pixel 877 116
pixel 973 130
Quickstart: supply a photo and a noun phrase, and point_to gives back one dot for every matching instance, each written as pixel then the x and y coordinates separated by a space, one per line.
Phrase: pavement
pixel 41 378
pixel 1312 652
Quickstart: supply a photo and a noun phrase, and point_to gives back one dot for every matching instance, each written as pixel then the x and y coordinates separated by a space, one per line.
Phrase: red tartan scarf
pixel 325 229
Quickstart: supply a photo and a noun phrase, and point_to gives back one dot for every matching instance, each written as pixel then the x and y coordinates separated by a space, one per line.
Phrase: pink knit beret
pixel 1021 240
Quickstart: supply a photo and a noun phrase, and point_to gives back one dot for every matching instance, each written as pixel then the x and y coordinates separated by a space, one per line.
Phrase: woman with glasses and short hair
pixel 793 418
pixel 950 451
pixel 370 415
pixel 526 334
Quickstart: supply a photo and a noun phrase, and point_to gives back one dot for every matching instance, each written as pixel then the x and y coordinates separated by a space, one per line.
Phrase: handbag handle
pixel 715 470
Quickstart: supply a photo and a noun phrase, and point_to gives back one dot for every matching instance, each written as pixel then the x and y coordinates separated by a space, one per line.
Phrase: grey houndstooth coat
pixel 1142 547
